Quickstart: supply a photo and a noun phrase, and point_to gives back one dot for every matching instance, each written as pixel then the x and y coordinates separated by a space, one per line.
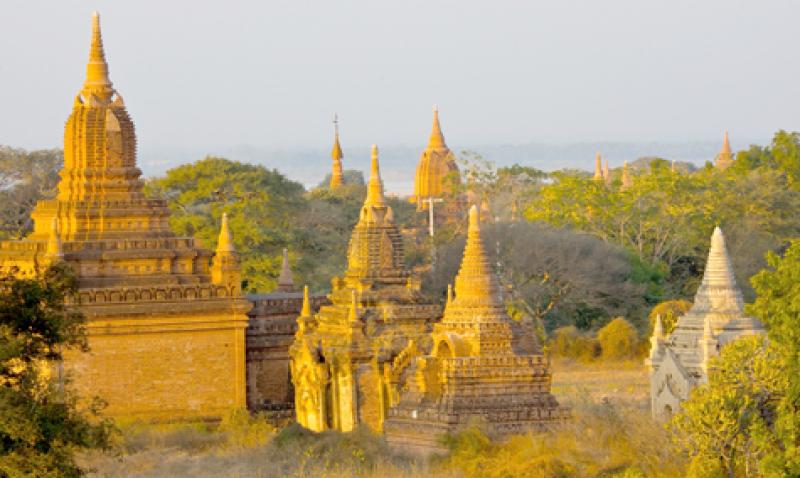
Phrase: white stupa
pixel 679 362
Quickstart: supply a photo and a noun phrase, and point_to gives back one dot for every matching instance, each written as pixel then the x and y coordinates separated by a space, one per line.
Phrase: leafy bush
pixel 618 340
pixel 670 311
pixel 569 342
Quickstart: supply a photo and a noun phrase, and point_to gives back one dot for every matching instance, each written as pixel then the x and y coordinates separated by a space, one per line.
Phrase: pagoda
pixel 165 327
pixel 484 368
pixel 679 361
pixel 340 356
pixel 436 171
pixel 724 159
pixel 337 174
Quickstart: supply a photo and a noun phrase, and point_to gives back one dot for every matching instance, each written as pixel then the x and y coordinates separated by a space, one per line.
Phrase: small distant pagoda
pixel 724 159
pixel 436 170
pixel 678 362
pixel 337 173
pixel 484 368
pixel 377 311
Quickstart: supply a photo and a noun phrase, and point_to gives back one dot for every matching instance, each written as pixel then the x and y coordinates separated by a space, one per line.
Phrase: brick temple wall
pixel 273 323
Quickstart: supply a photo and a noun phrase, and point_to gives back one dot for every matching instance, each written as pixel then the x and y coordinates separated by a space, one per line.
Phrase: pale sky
pixel 199 74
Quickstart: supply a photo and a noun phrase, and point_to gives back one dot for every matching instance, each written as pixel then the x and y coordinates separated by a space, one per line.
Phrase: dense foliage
pixel 665 216
pixel 25 177
pixel 266 213
pixel 746 420
pixel 41 423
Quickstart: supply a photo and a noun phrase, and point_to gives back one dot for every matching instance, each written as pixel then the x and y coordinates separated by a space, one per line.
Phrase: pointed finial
pixel 337 175
pixel 436 140
pixel 306 310
pixel 598 168
pixel 476 284
pixel 626 176
pixel 726 145
pixel 285 279
pixel 449 294
pixel 375 186
pixel 336 153
pixel 658 328
pixel 54 241
pixel 725 157
pixel 97 80
pixel 353 314
pixel 474 219
pixel 225 242
pixel 708 333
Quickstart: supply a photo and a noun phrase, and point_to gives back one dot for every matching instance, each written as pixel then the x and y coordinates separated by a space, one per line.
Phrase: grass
pixel 610 435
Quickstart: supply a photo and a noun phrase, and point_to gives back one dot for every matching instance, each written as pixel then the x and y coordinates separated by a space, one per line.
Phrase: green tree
pixel 41 424
pixel 618 340
pixel 262 207
pixel 670 311
pixel 727 425
pixel 25 178
pixel 553 275
pixel 778 306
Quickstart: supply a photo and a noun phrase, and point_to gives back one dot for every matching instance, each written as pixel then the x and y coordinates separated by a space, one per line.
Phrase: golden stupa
pixel 725 158
pixel 341 357
pixel 337 174
pixel 166 328
pixel 484 368
pixel 437 170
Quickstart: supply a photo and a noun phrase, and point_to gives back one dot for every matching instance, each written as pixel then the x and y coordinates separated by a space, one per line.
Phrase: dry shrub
pixel 243 430
pixel 670 311
pixel 602 440
pixel 190 437
pixel 619 340
pixel 569 342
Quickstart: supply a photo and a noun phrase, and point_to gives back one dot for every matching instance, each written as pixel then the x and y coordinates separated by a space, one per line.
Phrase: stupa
pixel 724 159
pixel 484 368
pixel 339 356
pixel 598 168
pixel 436 170
pixel 166 329
pixel 679 361
pixel 627 181
pixel 337 174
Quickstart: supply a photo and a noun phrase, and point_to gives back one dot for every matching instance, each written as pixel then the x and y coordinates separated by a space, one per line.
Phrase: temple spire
pixel 726 144
pixel 337 175
pixel 476 284
pixel 606 173
pixel 285 279
pixel 375 186
pixel 225 242
pixel 718 291
pixel 725 157
pixel 598 168
pixel 97 81
pixel 626 177
pixel 54 250
pixel 352 315
pixel 225 264
pixel 437 138
pixel 306 310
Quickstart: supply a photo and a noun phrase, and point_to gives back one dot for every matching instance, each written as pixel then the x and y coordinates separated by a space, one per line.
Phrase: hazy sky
pixel 271 74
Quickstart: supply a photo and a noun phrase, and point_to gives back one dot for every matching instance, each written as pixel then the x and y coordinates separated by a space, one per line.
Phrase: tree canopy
pixel 41 423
